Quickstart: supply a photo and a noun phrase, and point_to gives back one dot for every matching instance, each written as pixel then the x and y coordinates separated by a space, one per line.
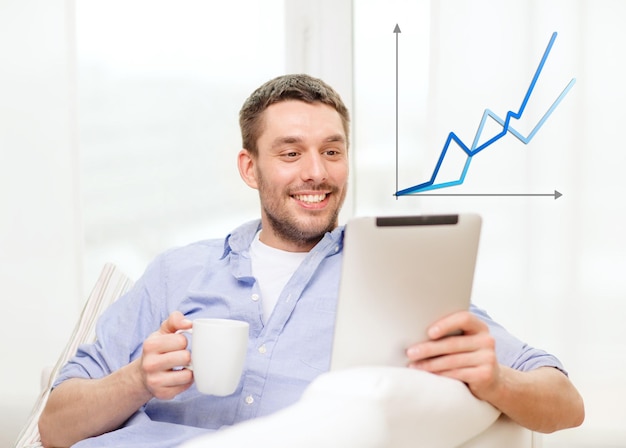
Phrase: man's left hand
pixel 469 356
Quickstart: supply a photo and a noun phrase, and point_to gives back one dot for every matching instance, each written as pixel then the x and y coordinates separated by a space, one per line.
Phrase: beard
pixel 289 229
pixel 303 231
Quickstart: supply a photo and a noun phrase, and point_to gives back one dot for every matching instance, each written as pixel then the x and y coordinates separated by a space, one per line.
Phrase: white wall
pixel 40 233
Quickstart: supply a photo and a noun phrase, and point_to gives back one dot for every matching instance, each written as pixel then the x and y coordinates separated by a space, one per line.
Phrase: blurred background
pixel 119 135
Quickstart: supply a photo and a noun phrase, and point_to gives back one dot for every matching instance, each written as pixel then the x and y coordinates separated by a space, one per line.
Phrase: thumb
pixel 176 321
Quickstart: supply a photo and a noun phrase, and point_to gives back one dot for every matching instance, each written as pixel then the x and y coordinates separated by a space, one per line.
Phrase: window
pixel 160 87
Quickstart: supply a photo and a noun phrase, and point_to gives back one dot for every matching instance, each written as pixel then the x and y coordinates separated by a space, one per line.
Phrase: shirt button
pixel 262 349
pixel 255 297
pixel 249 399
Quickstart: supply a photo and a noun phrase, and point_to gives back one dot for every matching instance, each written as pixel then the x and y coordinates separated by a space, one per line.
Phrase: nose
pixel 314 168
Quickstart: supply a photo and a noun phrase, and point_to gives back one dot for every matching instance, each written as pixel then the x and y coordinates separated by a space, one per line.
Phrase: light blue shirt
pixel 213 279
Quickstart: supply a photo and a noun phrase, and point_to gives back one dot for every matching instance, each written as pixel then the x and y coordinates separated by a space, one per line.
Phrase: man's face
pixel 301 172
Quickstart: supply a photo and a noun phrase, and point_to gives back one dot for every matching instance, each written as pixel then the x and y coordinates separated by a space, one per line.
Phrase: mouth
pixel 310 198
pixel 312 201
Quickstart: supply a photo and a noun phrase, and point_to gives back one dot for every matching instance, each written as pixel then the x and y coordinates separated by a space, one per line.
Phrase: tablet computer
pixel 400 275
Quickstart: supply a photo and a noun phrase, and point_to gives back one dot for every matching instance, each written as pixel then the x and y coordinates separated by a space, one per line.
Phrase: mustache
pixel 311 186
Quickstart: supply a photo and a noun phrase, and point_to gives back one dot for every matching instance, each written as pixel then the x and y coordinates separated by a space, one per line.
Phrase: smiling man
pixel 280 274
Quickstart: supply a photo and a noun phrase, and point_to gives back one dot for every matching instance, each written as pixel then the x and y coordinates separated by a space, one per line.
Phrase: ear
pixel 246 165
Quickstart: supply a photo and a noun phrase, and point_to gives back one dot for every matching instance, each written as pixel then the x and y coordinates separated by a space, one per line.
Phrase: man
pixel 280 274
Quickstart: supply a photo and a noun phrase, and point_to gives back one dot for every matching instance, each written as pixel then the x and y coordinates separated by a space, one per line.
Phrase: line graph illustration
pixel 475 148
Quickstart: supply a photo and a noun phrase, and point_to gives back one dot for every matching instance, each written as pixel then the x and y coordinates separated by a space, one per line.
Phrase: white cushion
pixel 367 407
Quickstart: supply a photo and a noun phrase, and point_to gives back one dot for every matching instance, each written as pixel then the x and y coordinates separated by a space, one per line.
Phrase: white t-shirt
pixel 272 268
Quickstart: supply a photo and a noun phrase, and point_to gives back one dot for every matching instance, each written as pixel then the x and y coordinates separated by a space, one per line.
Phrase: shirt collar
pixel 239 240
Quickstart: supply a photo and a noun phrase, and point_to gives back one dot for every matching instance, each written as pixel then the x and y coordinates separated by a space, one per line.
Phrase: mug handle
pixel 189 367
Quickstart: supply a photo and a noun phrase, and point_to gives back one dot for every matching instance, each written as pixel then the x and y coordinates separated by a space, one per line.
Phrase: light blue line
pixel 517 134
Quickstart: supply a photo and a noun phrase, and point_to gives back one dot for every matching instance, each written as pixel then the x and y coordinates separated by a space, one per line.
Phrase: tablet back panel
pixel 400 275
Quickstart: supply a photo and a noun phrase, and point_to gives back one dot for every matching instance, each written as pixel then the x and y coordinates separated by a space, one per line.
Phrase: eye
pixel 333 153
pixel 289 155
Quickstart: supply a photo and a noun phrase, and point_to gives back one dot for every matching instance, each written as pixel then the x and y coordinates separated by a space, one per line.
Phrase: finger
pixel 479 379
pixel 445 346
pixel 171 378
pixel 176 321
pixel 464 375
pixel 158 344
pixel 463 321
pixel 455 361
pixel 167 385
pixel 166 361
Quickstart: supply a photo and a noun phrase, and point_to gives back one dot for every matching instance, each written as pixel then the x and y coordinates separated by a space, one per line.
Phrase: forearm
pixel 81 408
pixel 542 400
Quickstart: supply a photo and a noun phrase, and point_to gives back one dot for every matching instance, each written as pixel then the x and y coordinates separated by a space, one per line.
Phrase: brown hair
pixel 287 87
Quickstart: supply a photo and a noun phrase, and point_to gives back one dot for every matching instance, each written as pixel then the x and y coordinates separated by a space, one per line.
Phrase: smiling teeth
pixel 310 197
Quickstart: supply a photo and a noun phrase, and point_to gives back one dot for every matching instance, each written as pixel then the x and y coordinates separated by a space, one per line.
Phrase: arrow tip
pixel 557 195
pixel 397 29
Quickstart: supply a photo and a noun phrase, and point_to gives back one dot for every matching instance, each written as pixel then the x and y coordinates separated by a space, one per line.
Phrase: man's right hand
pixel 80 408
pixel 163 351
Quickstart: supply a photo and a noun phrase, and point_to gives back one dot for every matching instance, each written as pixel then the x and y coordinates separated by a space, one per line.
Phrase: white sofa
pixel 368 407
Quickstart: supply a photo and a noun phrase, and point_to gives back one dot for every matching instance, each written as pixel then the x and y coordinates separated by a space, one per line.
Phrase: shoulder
pixel 192 253
pixel 180 264
pixel 192 258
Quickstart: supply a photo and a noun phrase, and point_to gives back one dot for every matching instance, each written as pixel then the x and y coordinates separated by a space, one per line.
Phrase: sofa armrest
pixel 45 376
pixel 505 432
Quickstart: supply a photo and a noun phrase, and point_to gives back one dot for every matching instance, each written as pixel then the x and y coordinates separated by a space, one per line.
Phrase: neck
pixel 271 239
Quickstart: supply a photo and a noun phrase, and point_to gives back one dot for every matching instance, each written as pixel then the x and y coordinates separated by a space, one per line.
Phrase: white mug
pixel 218 353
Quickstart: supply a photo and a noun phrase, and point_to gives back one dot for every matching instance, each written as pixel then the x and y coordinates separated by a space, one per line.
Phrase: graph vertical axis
pixel 397 31
pixel 506 128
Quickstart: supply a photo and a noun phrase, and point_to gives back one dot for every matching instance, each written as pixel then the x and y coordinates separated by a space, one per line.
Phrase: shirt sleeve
pixel 513 352
pixel 121 329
